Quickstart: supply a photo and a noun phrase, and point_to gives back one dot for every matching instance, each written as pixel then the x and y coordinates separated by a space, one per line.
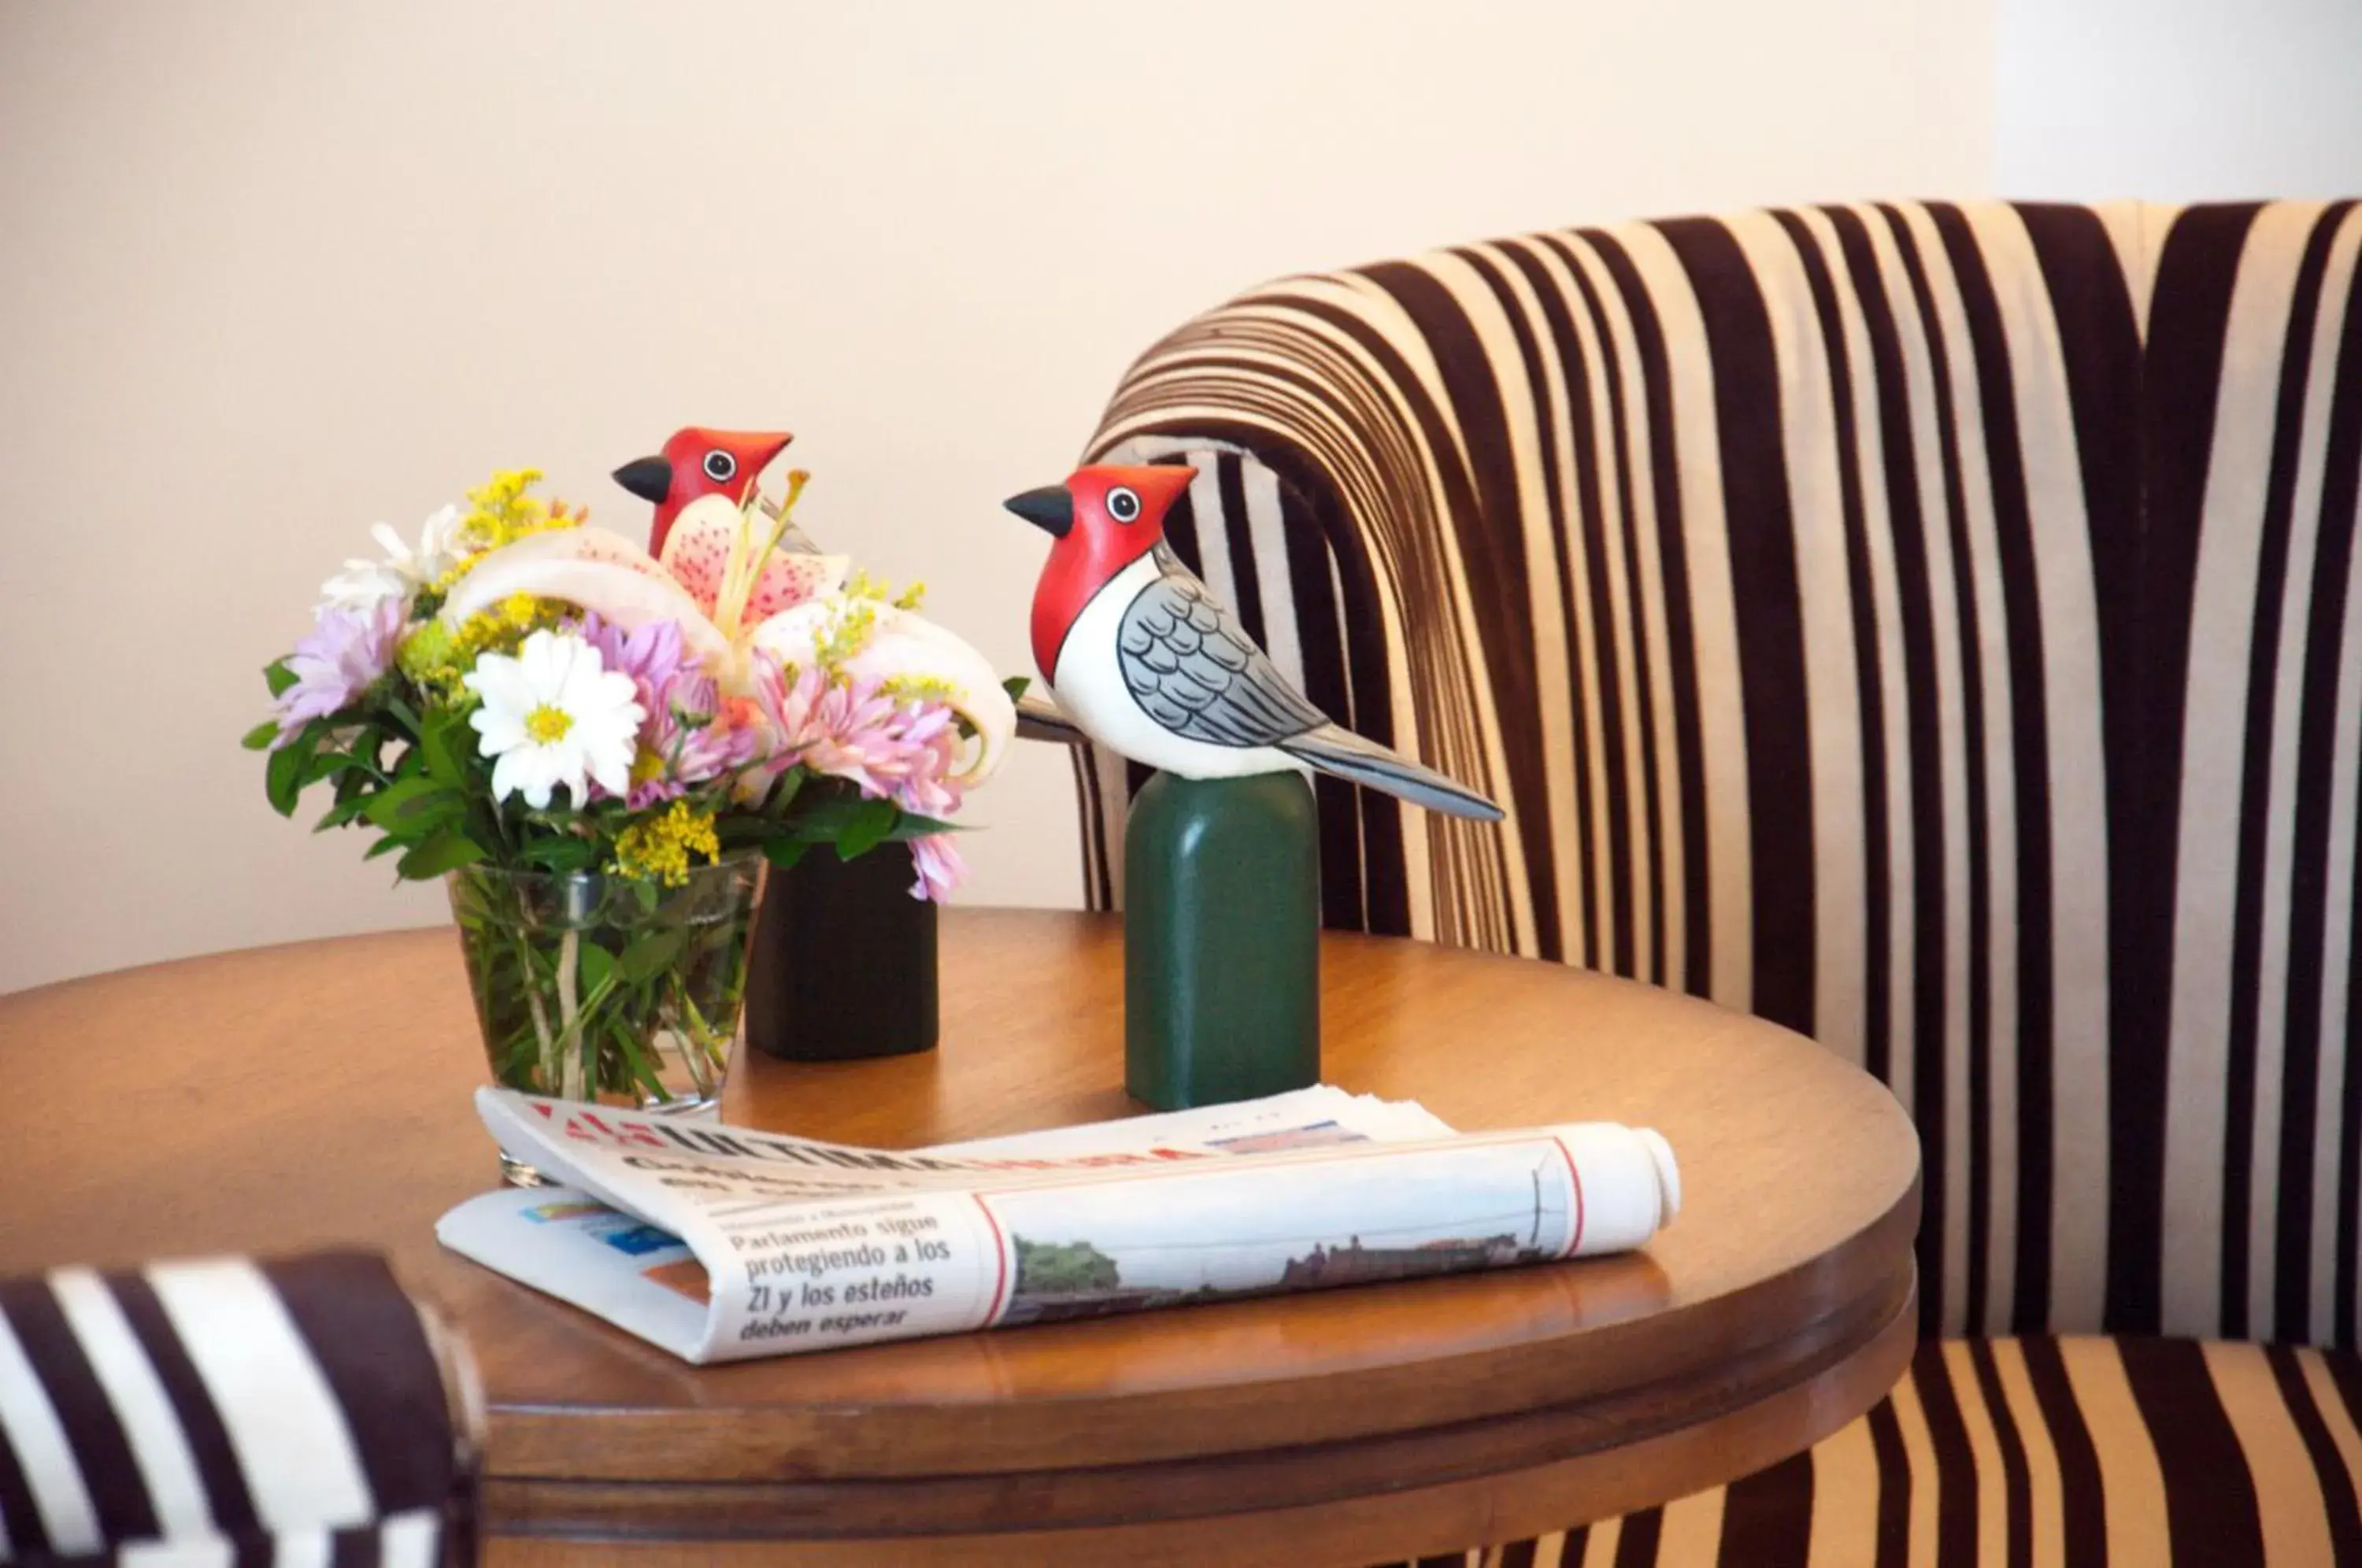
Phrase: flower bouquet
pixel 598 748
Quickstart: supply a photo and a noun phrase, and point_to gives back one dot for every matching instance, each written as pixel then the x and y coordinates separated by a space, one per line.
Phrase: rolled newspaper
pixel 721 1243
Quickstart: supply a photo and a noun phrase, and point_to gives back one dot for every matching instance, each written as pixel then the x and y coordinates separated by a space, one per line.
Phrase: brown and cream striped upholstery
pixel 2036 1451
pixel 1924 625
pixel 223 1412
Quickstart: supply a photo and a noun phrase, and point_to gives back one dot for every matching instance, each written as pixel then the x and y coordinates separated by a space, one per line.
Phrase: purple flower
pixel 687 738
pixel 939 866
pixel 344 657
pixel 651 656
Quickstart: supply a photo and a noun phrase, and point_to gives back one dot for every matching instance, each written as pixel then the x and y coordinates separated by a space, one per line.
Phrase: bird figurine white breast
pixel 1146 661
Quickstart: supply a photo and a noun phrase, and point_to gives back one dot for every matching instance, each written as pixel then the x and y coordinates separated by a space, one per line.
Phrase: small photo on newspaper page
pixel 1087 1252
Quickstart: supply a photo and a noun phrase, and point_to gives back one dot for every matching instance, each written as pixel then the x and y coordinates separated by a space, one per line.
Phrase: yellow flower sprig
pixel 501 511
pixel 434 656
pixel 917 689
pixel 865 584
pixel 504 510
pixel 661 847
pixel 848 633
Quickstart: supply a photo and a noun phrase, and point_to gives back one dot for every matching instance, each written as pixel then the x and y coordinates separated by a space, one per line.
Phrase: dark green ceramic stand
pixel 1221 940
pixel 843 961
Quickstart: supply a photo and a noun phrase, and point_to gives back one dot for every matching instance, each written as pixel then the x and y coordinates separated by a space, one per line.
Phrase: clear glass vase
pixel 615 990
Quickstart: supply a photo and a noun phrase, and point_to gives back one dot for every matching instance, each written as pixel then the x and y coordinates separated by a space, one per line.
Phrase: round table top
pixel 294 1098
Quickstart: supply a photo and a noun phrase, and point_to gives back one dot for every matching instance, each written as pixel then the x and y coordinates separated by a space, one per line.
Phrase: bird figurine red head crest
pixel 1103 519
pixel 697 463
pixel 1147 662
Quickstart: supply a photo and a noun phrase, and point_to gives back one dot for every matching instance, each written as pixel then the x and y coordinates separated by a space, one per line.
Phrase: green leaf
pixel 784 792
pixel 866 829
pixel 447 813
pixel 339 814
pixel 329 764
pixel 824 823
pixel 559 854
pixel 913 825
pixel 636 1062
pixel 385 845
pixel 652 955
pixel 434 746
pixel 259 737
pixel 400 800
pixel 441 851
pixel 1016 686
pixel 737 830
pixel 783 852
pixel 278 676
pixel 596 969
pixel 283 780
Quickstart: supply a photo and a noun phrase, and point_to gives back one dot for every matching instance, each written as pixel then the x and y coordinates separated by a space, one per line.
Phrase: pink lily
pixel 738 598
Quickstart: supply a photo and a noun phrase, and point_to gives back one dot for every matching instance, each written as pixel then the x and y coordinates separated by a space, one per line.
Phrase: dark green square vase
pixel 1222 939
pixel 843 962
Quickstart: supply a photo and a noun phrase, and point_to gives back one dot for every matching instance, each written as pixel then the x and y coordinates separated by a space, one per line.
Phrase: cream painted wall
pixel 2177 100
pixel 269 273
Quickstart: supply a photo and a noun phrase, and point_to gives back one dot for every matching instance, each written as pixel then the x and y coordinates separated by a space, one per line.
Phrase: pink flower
pixel 889 748
pixel 848 732
pixel 930 788
pixel 939 866
pixel 344 657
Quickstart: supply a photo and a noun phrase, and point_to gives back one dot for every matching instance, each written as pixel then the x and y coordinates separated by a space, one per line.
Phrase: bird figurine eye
pixel 721 467
pixel 1123 504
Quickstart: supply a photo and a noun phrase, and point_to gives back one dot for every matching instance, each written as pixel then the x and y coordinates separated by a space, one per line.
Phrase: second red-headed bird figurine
pixel 1146 661
pixel 697 463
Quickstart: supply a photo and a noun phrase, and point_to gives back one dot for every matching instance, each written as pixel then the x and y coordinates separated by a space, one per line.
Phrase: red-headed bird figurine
pixel 1146 660
pixel 696 463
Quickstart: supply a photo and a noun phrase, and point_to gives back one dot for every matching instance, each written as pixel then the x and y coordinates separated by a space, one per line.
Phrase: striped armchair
pixel 1931 627
pixel 227 1411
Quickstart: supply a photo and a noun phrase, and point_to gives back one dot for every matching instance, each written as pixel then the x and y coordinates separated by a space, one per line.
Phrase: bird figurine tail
pixel 1335 750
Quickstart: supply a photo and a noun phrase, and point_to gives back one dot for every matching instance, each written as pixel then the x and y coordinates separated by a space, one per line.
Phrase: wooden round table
pixel 300 1097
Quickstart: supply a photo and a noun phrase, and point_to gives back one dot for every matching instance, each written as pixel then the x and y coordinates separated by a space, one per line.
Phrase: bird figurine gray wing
pixel 1196 671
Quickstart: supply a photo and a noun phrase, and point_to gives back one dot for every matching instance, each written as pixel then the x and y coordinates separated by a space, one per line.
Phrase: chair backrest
pixel 300 1409
pixel 1924 625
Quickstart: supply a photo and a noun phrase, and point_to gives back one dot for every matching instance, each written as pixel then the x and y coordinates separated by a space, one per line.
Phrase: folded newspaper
pixel 719 1243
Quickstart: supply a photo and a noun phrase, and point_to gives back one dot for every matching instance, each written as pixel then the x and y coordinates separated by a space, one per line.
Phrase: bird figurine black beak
pixel 650 479
pixel 1050 509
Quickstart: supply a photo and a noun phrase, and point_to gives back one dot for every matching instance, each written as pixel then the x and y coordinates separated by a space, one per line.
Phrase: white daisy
pixel 364 585
pixel 555 715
